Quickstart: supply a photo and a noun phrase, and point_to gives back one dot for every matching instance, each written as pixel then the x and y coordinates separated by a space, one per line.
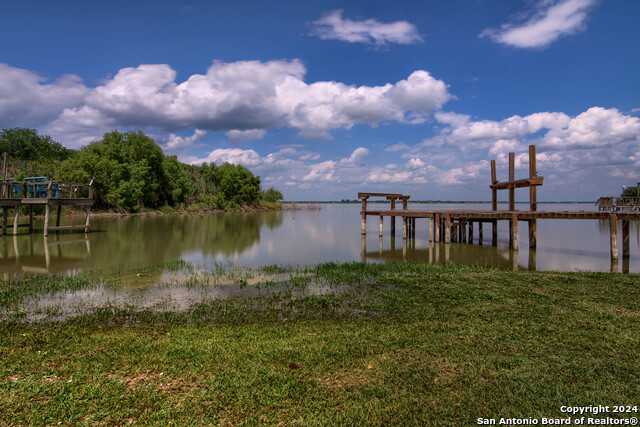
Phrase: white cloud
pixel 548 21
pixel 235 156
pixel 356 158
pixel 596 127
pixel 597 138
pixel 175 142
pixel 244 99
pixel 26 99
pixel 236 135
pixel 370 31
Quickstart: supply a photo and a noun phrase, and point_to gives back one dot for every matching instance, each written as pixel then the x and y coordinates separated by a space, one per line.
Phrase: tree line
pixel 131 172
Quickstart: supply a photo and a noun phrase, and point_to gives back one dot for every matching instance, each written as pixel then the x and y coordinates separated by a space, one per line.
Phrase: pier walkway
pixel 459 225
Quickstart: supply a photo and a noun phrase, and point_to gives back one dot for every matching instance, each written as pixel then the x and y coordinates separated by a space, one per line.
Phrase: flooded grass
pixel 378 344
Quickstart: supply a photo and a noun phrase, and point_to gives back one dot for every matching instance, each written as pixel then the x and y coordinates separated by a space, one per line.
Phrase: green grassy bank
pixel 398 344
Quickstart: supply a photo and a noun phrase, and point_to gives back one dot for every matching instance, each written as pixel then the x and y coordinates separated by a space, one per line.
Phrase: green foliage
pixel 27 144
pixel 31 154
pixel 630 192
pixel 236 185
pixel 128 170
pixel 272 195
pixel 131 172
pixel 178 186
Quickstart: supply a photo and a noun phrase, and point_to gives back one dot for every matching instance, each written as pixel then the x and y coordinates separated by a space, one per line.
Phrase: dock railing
pixel 618 203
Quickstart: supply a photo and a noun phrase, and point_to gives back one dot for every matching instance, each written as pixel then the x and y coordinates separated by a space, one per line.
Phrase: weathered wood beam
pixel 494 192
pixel 518 183
pixel 613 235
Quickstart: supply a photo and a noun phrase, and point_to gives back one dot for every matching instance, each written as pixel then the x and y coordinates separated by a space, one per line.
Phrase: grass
pixel 399 344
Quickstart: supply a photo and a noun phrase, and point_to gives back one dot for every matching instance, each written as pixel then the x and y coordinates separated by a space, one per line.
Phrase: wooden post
pixel 431 232
pixel 625 239
pixel 404 203
pixel 46 220
pixel 15 220
pixel 4 220
pixel 436 227
pixel 470 232
pixel 58 216
pixel 404 227
pixel 463 226
pixel 512 178
pixel 494 192
pixel 86 223
pixel 381 220
pixel 533 198
pixel 413 227
pixel 480 233
pixel 5 187
pixel 514 232
pixel 532 260
pixel 393 218
pixel 363 249
pixel 613 231
pixel 494 237
pixel 380 245
pixel 447 228
pixel 364 216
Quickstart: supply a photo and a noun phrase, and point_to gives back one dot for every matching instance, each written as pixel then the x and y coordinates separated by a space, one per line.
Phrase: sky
pixel 325 99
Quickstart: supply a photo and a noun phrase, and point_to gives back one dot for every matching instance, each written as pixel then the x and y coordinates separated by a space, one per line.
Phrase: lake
pixel 303 237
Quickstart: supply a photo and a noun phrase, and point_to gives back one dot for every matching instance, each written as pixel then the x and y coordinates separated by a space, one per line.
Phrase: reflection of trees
pixel 140 241
pixel 133 242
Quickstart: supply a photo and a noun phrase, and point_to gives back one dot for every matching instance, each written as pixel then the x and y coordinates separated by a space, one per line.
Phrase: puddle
pixel 173 291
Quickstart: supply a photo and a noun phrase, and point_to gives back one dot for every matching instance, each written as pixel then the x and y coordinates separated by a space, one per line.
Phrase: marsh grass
pixel 400 344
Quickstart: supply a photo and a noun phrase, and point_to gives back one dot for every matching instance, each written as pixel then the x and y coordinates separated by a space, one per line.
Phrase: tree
pixel 630 192
pixel 128 170
pixel 27 144
pixel 272 195
pixel 236 184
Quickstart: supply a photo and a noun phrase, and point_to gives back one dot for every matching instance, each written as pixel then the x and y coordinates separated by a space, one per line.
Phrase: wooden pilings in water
pixel 613 235
pixel 58 227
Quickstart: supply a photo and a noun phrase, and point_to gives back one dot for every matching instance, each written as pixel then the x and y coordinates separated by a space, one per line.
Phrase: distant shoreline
pixel 437 202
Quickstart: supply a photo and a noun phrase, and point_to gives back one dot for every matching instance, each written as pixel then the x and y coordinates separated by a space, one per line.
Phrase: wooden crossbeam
pixel 518 183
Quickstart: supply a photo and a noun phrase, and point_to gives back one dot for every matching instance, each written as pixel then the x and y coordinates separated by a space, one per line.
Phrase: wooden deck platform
pixel 53 194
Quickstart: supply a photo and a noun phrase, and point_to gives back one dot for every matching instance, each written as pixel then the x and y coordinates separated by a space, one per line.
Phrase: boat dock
pixel 50 194
pixel 460 225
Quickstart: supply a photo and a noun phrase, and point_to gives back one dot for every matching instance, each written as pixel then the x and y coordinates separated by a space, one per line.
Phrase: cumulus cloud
pixel 236 135
pixel 244 99
pixel 175 142
pixel 28 99
pixel 332 26
pixel 597 138
pixel 544 24
pixel 235 156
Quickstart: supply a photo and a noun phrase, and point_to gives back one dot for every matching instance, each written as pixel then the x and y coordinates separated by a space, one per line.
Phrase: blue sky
pixel 325 99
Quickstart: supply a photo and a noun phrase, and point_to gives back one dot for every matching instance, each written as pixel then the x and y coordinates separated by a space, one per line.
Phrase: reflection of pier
pixel 443 253
pixel 460 225
pixel 57 256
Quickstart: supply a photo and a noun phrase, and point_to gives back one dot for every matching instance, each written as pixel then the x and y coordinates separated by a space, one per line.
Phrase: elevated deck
pixel 49 194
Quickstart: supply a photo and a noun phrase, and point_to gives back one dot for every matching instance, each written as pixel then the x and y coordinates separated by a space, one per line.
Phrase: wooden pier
pixel 459 225
pixel 50 194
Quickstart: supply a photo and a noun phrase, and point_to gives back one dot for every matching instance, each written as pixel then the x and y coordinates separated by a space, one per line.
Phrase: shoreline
pixel 404 344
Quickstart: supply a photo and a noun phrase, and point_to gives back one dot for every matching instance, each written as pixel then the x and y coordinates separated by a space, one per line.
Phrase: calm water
pixel 302 238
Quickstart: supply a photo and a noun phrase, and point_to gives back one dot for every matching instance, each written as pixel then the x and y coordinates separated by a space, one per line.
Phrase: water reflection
pixel 305 238
pixel 44 255
pixel 134 242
